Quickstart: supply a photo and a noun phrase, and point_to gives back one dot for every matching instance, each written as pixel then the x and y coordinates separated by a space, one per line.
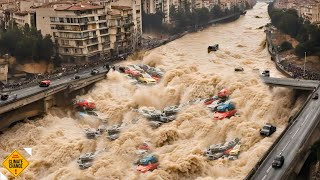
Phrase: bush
pixel 285 46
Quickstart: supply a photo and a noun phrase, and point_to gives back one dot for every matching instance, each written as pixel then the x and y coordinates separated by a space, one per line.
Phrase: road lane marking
pixel 269 169
pixel 264 177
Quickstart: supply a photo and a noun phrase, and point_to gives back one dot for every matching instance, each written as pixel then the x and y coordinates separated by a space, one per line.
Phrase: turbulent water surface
pixel 58 139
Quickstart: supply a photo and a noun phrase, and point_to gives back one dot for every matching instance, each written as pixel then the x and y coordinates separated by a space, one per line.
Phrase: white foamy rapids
pixel 58 139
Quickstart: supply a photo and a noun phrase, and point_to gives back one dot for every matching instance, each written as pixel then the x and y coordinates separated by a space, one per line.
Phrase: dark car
pixel 238 69
pixel 267 130
pixel 4 96
pixel 94 72
pixel 213 48
pixel 315 96
pixel 76 77
pixel 266 73
pixel 278 161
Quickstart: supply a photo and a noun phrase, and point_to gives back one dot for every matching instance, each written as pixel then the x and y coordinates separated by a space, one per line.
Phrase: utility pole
pixel 304 66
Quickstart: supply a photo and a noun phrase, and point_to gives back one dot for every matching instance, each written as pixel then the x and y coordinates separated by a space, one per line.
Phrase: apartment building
pixel 80 31
pixel 25 17
pixel 136 7
pixel 121 29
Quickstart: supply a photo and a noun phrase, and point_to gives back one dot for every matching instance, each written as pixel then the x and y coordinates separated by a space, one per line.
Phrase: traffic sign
pixel 15 163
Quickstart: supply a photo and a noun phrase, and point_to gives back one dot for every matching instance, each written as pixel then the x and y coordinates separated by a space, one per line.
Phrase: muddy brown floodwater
pixel 58 139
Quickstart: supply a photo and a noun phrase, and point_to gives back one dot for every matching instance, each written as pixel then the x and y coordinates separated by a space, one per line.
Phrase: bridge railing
pixel 292 120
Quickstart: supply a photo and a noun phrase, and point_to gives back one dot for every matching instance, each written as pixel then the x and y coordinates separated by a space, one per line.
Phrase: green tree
pixel 286 46
pixel 216 11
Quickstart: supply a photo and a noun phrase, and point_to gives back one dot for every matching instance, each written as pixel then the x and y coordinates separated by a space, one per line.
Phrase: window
pixel 52 19
pixel 61 20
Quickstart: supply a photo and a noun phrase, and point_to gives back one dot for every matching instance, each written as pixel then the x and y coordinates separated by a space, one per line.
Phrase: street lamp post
pixel 304 65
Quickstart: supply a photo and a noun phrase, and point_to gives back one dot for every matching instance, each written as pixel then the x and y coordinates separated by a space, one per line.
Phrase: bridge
pixel 36 100
pixel 291 83
pixel 295 141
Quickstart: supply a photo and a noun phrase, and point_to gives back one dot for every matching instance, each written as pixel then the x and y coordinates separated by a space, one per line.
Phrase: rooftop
pixel 78 7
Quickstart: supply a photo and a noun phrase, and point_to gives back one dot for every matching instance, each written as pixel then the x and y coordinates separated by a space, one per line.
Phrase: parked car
pixel 268 130
pixel 44 83
pixel 94 71
pixel 4 96
pixel 213 48
pixel 76 76
pixel 278 161
pixel 266 73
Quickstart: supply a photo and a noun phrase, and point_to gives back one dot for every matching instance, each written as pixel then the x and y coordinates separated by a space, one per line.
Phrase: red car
pixel 144 146
pixel 131 71
pixel 210 100
pixel 222 115
pixel 156 78
pixel 223 93
pixel 149 167
pixel 85 104
pixel 44 83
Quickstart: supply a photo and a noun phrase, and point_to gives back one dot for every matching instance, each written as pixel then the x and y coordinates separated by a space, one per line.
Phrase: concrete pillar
pixel 48 103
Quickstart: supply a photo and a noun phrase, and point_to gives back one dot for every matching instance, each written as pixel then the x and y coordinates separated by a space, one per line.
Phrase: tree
pixel 216 11
pixel 286 46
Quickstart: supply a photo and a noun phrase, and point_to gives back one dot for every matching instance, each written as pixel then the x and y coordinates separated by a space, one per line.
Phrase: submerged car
pixel 215 47
pixel 148 163
pixel 113 132
pixel 223 93
pixel 85 160
pixel 92 133
pixel 278 161
pixel 155 124
pixel 171 110
pixel 238 69
pixel 45 83
pixel 213 106
pixel 93 114
pixel 268 130
pixel 85 165
pixel 208 101
pixel 146 78
pixel 217 151
pixel 150 114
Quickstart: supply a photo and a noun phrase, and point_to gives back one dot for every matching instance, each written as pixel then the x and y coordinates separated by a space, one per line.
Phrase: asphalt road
pixel 21 93
pixel 289 144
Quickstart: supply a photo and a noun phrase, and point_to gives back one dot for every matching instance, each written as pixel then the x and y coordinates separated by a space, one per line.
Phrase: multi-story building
pixel 121 29
pixel 25 17
pixel 80 31
pixel 136 17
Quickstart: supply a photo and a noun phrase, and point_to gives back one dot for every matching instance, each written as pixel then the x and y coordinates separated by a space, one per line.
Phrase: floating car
pixel 4 96
pixel 44 83
pixel 85 165
pixel 149 163
pixel 268 130
pixel 213 106
pixel 165 119
pixel 86 157
pixel 132 80
pixel 131 71
pixel 171 110
pixel 278 161
pixel 210 100
pixel 150 114
pixel 94 71
pixel 217 151
pixel 315 96
pixel 266 73
pixel 146 78
pixel 136 68
pixel 155 124
pixel 224 110
pixel 102 128
pixel 238 69
pixel 113 132
pixel 92 133
pixel 85 105
pixel 223 93
pixel 213 48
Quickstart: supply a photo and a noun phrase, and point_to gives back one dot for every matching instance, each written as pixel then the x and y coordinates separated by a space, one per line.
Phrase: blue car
pixel 224 107
pixel 150 159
